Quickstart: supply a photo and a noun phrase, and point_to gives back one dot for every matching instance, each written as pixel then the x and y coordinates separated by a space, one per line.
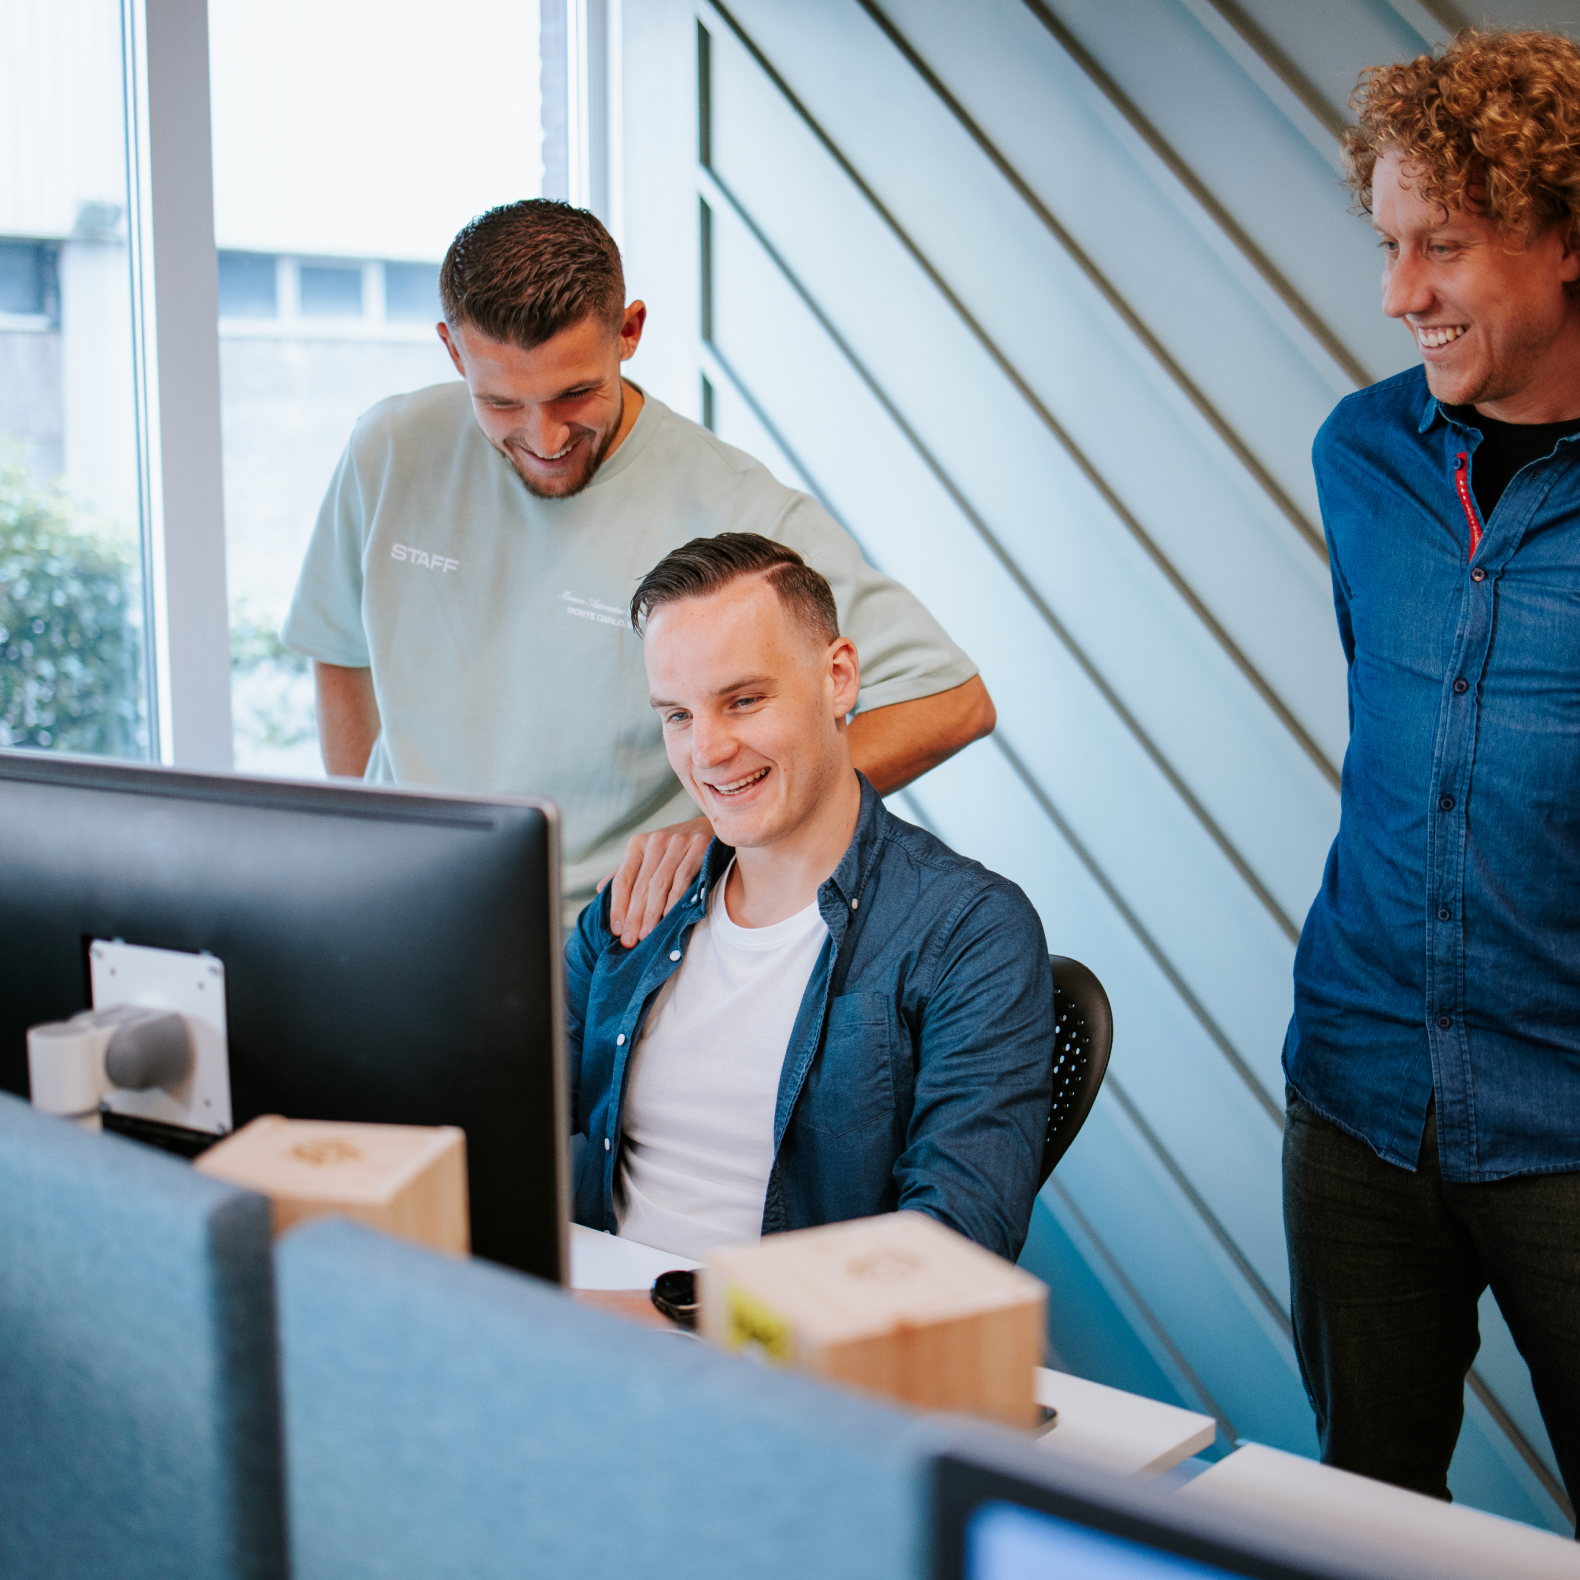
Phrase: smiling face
pixel 753 704
pixel 556 411
pixel 1496 327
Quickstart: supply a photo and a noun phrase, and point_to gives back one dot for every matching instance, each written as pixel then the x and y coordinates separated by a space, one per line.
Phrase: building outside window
pixel 336 193
pixel 348 150
pixel 73 657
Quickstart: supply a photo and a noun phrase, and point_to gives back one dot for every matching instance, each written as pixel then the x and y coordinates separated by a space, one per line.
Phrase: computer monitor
pixel 995 1521
pixel 387 956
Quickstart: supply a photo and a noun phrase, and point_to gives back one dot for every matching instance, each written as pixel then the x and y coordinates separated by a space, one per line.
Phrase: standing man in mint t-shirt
pixel 1433 1143
pixel 464 593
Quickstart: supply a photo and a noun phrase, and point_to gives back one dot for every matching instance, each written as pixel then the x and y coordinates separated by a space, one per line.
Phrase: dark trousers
pixel 1385 1270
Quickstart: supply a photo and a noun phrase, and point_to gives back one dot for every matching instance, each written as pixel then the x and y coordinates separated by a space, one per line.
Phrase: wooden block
pixel 408 1180
pixel 896 1304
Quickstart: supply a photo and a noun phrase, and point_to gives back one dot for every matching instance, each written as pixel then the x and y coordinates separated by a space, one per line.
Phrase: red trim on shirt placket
pixel 1462 486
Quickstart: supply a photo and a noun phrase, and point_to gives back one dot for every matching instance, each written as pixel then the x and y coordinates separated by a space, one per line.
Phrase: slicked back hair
pixel 705 565
pixel 523 272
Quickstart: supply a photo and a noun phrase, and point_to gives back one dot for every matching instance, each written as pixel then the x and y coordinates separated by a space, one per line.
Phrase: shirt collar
pixel 1434 410
pixel 849 877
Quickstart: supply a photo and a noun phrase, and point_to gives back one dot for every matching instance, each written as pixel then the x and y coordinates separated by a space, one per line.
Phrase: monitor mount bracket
pixel 152 1050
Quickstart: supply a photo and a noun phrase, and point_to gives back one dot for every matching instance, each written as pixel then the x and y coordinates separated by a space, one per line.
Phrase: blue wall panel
pixel 1046 302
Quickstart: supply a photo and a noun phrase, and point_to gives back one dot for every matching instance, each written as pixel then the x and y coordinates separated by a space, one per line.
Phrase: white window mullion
pixel 578 110
pixel 175 310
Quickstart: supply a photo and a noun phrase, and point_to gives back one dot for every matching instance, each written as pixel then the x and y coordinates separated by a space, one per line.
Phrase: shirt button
pixel 1443 1023
pixel 854 903
pixel 1443 913
pixel 674 954
pixel 1461 686
pixel 619 1041
pixel 1478 575
pixel 1446 802
pixel 606 1146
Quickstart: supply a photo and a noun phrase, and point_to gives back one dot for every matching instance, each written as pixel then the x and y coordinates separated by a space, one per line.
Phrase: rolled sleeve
pixel 325 619
pixel 985 1075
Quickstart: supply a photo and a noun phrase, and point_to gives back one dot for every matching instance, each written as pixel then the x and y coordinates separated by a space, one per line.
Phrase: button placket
pixel 1448 833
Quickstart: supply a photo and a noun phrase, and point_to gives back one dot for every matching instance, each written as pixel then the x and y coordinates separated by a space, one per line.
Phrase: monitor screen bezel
pixel 962 1484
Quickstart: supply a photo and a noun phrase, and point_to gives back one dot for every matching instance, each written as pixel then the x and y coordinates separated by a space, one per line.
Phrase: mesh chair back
pixel 1083 1036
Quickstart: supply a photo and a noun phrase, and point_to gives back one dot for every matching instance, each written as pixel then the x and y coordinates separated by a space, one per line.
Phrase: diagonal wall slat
pixel 1233 953
pixel 1308 529
pixel 1307 316
pixel 1272 809
pixel 1191 512
pixel 1266 173
pixel 1007 561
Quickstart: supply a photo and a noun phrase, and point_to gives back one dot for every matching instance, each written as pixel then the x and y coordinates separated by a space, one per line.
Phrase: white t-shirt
pixel 698 1117
pixel 495 622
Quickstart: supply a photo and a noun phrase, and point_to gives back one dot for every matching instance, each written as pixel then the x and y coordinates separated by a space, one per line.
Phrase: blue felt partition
pixel 446 1418
pixel 139 1423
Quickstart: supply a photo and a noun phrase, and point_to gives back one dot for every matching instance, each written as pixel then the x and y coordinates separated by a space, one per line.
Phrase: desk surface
pixel 1121 1431
pixel 1452 1539
pixel 604 1261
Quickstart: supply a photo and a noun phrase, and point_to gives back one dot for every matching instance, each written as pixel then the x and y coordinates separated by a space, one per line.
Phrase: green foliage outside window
pixel 272 688
pixel 71 640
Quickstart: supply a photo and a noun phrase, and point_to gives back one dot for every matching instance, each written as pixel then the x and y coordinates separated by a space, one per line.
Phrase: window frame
pixel 176 334
pixel 175 339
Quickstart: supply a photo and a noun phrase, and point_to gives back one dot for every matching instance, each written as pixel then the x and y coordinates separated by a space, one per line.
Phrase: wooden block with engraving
pixel 408 1180
pixel 897 1304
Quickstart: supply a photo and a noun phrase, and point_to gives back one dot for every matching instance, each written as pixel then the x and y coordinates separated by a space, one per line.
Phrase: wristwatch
pixel 675 1294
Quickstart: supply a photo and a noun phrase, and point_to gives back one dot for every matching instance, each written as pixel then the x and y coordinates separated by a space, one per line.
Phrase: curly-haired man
pixel 1433 1144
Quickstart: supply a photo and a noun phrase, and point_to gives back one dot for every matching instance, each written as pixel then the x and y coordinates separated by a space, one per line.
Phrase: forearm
pixel 348 718
pixel 894 745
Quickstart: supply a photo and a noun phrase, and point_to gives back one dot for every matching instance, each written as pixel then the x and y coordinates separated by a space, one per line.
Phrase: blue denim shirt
pixel 919 1070
pixel 1443 951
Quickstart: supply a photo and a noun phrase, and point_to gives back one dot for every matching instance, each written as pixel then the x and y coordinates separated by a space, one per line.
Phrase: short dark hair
pixel 706 564
pixel 523 272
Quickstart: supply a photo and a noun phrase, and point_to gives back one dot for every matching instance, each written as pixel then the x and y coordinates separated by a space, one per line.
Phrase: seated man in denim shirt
pixel 842 1017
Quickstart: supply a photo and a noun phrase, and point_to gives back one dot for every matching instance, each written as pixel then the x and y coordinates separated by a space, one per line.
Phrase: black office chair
pixel 1083 1037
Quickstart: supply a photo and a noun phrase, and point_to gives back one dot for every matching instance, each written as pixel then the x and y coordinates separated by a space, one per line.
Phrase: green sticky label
pixel 750 1325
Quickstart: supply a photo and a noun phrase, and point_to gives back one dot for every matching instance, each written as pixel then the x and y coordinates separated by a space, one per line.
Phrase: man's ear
pixel 631 329
pixel 1570 266
pixel 449 345
pixel 844 670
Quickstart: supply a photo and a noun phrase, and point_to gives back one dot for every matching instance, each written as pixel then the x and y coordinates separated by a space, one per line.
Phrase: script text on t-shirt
pixel 593 609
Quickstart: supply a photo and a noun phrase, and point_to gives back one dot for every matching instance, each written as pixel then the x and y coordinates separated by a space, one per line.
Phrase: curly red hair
pixel 1492 125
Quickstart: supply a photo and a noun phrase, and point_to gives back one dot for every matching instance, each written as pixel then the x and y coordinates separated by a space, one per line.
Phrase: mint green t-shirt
pixel 495 623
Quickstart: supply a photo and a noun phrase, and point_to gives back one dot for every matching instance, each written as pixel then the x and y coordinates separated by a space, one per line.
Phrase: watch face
pixel 675 1294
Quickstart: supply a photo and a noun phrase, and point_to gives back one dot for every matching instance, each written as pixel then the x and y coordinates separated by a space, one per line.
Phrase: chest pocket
pixel 850 1084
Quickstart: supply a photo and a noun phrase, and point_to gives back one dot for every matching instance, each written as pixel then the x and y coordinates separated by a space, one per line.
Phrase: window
pixel 411 293
pixel 247 285
pixel 27 281
pixel 336 194
pixel 330 290
pixel 73 655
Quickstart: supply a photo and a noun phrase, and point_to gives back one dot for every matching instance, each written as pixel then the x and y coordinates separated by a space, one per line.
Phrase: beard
pixel 1507 366
pixel 578 480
